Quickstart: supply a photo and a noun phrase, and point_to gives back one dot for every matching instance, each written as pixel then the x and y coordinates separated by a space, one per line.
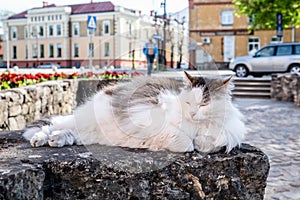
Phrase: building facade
pixel 217 35
pixel 60 34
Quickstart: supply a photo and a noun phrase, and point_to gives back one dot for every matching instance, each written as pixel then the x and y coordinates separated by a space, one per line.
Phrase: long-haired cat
pixel 153 113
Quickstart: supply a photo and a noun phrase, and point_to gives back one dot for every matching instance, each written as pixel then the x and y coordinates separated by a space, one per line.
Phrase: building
pixel 217 35
pixel 3 15
pixel 65 35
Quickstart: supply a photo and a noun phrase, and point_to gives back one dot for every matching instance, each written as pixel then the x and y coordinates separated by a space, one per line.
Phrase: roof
pixel 19 15
pixel 94 7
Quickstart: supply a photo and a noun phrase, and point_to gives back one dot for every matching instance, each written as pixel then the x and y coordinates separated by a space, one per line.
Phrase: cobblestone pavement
pixel 274 127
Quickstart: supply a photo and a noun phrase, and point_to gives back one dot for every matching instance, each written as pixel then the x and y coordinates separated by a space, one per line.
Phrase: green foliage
pixel 264 12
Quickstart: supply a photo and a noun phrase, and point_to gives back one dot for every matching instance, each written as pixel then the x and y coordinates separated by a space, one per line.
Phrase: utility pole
pixel 7 48
pixel 164 41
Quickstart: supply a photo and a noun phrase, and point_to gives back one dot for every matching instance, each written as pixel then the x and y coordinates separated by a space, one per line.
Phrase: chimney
pixel 45 3
pixel 151 13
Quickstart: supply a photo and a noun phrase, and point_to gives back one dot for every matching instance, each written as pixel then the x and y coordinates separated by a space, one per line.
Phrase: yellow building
pixel 216 34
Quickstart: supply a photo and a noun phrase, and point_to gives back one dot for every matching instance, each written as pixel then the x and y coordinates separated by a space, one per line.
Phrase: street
pixel 274 127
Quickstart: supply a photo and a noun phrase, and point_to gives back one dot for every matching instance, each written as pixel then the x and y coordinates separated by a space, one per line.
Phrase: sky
pixel 144 5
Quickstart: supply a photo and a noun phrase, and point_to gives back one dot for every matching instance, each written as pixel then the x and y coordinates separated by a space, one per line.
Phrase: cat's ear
pixel 188 77
pixel 227 81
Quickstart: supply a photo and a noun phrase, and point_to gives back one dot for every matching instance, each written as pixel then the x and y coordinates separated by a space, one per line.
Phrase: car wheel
pixel 295 69
pixel 241 71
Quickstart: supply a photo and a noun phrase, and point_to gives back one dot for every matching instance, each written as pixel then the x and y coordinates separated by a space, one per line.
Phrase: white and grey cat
pixel 153 113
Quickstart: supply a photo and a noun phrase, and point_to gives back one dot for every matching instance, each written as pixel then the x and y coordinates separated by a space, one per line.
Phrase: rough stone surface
pixel 23 105
pixel 286 87
pixel 73 172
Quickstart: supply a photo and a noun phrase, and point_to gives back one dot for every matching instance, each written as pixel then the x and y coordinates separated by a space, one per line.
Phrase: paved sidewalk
pixel 274 127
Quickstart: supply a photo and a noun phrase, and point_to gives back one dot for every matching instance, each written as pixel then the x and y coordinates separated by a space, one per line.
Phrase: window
pixel 253 44
pixel 129 28
pixel 297 49
pixel 106 49
pixel 51 30
pixel 41 31
pixel 14 52
pixel 58 29
pixel 284 50
pixel 59 54
pixel 51 50
pixel 14 32
pixel 26 51
pixel 106 27
pixel 268 51
pixel 76 29
pixel 91 49
pixel 26 32
pixel 34 32
pixel 227 17
pixel 275 39
pixel 251 19
pixel 76 50
pixel 34 51
pixel 42 51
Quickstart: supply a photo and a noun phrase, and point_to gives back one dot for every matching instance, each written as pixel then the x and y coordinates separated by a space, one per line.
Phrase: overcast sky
pixel 143 5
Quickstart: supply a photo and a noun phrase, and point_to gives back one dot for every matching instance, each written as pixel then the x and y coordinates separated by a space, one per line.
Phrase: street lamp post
pixel 7 50
pixel 180 41
pixel 164 30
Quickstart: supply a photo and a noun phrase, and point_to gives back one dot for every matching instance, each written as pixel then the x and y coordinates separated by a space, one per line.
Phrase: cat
pixel 156 113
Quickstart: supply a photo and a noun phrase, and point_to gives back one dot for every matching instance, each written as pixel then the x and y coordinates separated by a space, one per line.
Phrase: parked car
pixel 273 58
pixel 3 65
pixel 48 66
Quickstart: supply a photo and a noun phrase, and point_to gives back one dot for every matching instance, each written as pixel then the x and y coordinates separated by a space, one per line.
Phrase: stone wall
pixel 22 105
pixel 286 87
pixel 75 172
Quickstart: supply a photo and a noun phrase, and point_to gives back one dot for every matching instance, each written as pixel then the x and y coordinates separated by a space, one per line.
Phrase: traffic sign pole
pixel 92 26
pixel 279 25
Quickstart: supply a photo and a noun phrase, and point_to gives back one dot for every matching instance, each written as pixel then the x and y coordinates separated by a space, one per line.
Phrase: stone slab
pixel 101 172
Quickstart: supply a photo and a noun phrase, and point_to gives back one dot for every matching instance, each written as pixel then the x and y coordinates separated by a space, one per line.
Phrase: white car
pixel 48 66
pixel 273 58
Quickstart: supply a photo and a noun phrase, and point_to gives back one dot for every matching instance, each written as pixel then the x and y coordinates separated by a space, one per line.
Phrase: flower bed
pixel 14 80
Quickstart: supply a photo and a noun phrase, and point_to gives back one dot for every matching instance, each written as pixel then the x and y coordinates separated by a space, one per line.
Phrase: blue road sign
pixel 279 24
pixel 92 23
pixel 157 37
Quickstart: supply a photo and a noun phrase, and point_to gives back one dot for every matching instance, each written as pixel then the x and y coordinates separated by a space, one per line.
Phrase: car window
pixel 297 49
pixel 284 50
pixel 267 51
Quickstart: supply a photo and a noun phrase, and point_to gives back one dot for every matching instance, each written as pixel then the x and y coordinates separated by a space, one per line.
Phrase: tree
pixel 262 13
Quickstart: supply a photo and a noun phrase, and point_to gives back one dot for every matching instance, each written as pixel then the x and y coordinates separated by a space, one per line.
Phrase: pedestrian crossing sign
pixel 92 23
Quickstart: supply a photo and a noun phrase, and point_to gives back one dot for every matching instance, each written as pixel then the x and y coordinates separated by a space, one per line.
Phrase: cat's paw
pixel 56 139
pixel 39 139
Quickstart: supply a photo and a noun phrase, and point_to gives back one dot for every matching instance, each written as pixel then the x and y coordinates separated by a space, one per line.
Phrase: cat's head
pixel 208 85
pixel 205 96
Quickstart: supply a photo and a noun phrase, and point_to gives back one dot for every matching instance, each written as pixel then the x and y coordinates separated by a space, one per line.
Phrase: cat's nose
pixel 192 114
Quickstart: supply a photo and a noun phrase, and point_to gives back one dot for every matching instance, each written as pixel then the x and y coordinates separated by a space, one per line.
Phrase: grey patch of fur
pixel 39 123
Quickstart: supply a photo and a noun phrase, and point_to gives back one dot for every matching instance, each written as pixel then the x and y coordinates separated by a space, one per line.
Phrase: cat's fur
pixel 152 113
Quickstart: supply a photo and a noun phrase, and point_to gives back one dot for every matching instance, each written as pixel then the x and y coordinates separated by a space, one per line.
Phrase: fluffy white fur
pixel 178 122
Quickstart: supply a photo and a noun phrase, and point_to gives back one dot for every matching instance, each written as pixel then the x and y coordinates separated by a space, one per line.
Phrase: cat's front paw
pixel 39 139
pixel 57 139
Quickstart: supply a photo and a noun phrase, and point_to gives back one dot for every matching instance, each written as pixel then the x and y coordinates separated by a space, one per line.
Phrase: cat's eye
pixel 188 103
pixel 204 104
